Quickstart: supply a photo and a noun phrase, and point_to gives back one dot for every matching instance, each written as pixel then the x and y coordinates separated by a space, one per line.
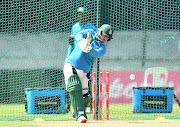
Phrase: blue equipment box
pixel 45 100
pixel 153 99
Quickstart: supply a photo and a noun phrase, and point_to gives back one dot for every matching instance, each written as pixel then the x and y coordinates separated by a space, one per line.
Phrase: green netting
pixel 33 37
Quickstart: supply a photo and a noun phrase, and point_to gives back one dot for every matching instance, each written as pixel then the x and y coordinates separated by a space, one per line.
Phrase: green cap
pixel 82 10
pixel 107 30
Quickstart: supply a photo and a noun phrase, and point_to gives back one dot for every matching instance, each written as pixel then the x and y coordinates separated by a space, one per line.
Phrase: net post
pixel 94 95
pixel 97 89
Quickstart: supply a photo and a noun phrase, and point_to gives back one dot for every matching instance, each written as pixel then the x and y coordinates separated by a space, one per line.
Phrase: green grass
pixel 16 112
pixel 124 112
pixel 16 124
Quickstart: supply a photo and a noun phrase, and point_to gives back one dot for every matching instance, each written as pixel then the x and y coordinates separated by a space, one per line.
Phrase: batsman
pixel 90 45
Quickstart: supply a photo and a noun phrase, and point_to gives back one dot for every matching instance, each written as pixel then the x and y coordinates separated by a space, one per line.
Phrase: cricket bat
pixel 88 38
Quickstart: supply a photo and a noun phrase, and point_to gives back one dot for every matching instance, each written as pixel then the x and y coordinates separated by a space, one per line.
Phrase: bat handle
pixel 88 38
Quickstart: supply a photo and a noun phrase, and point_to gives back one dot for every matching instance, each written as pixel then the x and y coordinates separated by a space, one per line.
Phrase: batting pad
pixel 76 97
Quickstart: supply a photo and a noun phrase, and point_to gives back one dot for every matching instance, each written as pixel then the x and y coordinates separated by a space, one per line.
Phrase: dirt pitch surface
pixel 110 123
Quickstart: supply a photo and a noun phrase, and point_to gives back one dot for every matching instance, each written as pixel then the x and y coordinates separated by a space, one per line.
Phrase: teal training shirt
pixel 82 60
pixel 76 28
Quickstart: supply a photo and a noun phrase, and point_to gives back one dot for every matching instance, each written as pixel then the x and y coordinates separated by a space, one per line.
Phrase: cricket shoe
pixel 88 110
pixel 82 119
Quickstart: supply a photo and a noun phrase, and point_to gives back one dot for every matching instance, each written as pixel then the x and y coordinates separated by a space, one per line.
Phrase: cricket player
pixel 82 24
pixel 90 45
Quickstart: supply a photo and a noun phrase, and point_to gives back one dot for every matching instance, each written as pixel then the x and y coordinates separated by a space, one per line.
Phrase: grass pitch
pixel 16 112
pixel 91 123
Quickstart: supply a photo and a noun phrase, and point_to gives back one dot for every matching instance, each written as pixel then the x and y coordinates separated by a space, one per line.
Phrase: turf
pixel 16 112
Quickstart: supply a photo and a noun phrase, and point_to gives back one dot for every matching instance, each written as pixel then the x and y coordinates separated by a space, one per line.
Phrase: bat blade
pixel 88 38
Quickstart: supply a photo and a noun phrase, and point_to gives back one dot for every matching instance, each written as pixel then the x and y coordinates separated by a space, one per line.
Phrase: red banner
pixel 120 84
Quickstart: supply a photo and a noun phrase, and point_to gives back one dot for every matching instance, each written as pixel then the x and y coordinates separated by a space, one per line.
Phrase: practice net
pixel 33 39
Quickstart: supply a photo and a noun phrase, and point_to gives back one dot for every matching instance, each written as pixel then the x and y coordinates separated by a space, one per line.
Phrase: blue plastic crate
pixel 45 100
pixel 153 99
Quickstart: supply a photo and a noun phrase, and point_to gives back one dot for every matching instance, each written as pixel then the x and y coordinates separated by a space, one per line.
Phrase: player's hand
pixel 85 44
pixel 87 49
pixel 71 41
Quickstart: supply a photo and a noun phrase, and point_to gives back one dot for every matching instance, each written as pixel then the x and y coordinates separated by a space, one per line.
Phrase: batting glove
pixel 85 44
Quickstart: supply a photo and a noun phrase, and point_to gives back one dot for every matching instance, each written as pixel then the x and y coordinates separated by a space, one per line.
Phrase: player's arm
pixel 84 44
pixel 83 34
pixel 98 52
pixel 71 37
pixel 84 38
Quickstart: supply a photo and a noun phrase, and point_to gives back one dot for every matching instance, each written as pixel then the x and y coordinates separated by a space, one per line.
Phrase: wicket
pixel 100 95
